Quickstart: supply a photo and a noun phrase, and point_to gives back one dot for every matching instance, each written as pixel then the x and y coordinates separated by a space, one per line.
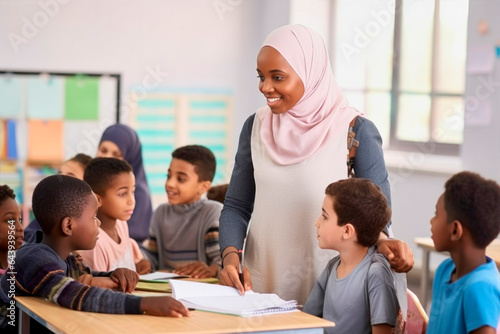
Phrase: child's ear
pixel 457 230
pixel 99 200
pixel 349 231
pixel 204 186
pixel 67 226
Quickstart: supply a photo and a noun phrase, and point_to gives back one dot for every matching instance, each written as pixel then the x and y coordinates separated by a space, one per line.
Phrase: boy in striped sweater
pixel 66 209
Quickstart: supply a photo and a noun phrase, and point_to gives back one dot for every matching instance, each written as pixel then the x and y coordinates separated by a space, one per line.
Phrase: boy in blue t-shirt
pixel 466 288
pixel 357 289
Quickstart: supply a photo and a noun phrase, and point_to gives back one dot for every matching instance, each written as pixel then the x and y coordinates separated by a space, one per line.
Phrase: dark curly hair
pixel 361 203
pixel 6 192
pixel 201 157
pixel 475 202
pixel 100 172
pixel 82 158
pixel 57 197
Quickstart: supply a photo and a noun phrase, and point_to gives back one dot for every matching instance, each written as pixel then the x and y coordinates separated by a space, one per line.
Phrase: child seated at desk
pixel 184 233
pixel 11 227
pixel 466 288
pixel 357 289
pixel 113 182
pixel 66 208
pixel 72 167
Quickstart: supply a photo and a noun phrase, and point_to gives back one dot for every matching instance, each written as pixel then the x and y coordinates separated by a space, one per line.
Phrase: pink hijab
pixel 322 112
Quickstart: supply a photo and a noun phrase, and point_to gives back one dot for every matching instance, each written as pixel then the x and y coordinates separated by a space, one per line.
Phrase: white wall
pixel 187 44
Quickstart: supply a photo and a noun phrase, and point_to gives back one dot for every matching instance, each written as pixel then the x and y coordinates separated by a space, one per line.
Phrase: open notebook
pixel 227 300
pixel 159 277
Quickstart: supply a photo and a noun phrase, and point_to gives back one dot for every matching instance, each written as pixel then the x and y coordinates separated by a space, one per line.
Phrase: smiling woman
pixel 279 83
pixel 298 141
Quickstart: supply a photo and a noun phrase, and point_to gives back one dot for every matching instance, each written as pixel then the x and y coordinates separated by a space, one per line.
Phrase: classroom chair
pixel 416 319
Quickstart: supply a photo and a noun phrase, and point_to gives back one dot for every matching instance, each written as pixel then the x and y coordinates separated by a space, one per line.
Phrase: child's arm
pixel 125 278
pixel 382 296
pixel 484 330
pixel 150 246
pixel 198 270
pixel 212 247
pixel 102 282
pixel 316 300
pixel 163 306
pixel 142 266
pixel 382 329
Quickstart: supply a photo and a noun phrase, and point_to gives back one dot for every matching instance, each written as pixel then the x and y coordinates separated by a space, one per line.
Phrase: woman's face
pixel 279 83
pixel 108 149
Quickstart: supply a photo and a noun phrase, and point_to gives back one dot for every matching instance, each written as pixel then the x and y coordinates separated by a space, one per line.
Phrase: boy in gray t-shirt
pixel 356 290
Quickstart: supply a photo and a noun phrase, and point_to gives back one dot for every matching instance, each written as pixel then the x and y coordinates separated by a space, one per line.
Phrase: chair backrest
pixel 417 319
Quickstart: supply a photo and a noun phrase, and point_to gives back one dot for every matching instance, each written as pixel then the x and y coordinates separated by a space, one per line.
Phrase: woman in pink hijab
pixel 288 152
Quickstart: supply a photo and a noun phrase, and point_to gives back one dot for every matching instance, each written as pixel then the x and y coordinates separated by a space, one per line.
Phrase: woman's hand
pixel 229 275
pixel 397 252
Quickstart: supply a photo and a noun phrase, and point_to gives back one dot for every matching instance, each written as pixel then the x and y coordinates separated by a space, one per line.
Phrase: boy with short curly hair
pixel 66 208
pixel 466 288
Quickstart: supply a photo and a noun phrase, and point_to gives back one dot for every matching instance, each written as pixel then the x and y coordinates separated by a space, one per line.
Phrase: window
pixel 402 63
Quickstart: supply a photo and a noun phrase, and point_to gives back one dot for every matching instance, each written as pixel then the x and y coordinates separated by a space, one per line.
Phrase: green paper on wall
pixel 82 98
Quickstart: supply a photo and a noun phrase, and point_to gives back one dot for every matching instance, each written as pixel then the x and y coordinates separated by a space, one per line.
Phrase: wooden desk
pixel 63 320
pixel 427 245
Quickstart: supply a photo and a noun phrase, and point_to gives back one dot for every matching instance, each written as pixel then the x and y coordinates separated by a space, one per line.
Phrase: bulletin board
pixel 165 120
pixel 48 117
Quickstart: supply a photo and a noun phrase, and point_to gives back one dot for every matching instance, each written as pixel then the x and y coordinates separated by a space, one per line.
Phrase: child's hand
pixel 104 282
pixel 86 279
pixel 143 267
pixel 125 278
pixel 197 270
pixel 163 306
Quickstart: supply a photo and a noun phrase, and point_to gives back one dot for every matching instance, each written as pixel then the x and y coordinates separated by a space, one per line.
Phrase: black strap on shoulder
pixel 352 145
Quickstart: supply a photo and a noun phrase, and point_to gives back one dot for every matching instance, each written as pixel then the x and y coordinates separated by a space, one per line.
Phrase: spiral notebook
pixel 227 300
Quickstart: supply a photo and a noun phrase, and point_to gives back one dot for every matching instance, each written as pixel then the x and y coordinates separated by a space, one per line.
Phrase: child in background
pixel 113 182
pixel 11 227
pixel 66 208
pixel 121 141
pixel 466 287
pixel 72 167
pixel 356 290
pixel 184 233
pixel 218 193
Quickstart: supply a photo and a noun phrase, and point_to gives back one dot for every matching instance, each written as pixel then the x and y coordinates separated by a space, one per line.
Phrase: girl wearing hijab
pixel 288 152
pixel 120 141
